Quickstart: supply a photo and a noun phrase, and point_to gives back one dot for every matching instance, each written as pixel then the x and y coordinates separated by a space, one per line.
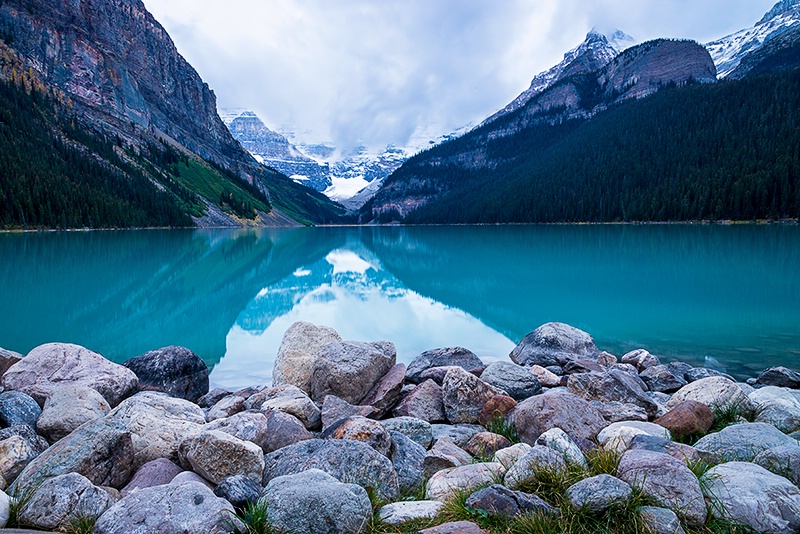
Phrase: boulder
pixel 496 409
pixel 510 455
pixel 36 442
pixel 617 436
pixel 743 441
pixel 350 369
pixel 67 408
pixel 779 376
pixel 464 395
pixel 641 359
pixel 61 499
pixel 188 508
pixel 56 363
pixel 239 490
pixel 501 501
pixel 667 481
pixel 446 357
pixel 298 352
pixel 460 434
pixel 617 385
pixel 335 409
pixel 688 418
pixel 443 455
pixel 545 377
pixel 553 344
pixel 599 493
pixel 716 392
pixel 347 460
pixel 216 455
pixel 226 407
pixel 614 411
pixel 752 496
pixel 359 428
pixel 100 450
pixel 17 408
pixel 254 427
pixel 407 458
pixel 660 378
pixel 517 381
pixel 153 473
pixel 661 520
pixel 559 441
pixel 415 429
pixel 446 483
pixel 437 374
pixel 537 459
pixel 176 371
pixel 157 423
pixel 424 402
pixel 776 406
pixel 15 454
pixel 314 501
pixel 486 444
pixel 386 393
pixel 401 512
pixel 575 416
pixel 288 399
pixel 783 461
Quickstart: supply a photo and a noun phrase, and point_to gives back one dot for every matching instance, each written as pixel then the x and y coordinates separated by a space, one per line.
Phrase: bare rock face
pixel 298 352
pixel 553 344
pixel 62 363
pixel 350 369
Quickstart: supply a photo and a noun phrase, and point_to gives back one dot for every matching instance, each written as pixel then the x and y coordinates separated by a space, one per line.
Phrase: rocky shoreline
pixel 347 440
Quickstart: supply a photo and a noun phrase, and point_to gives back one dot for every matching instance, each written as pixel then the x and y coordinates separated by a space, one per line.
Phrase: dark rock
pixel 517 381
pixel 239 490
pixel 660 378
pixel 407 458
pixel 424 402
pixel 37 443
pixel 283 430
pixel 153 473
pixel 350 369
pixel 337 457
pixel 176 371
pixel 575 416
pixel 451 356
pixel 699 373
pixel 386 393
pixel 641 359
pixel 555 369
pixel 458 434
pixel 17 408
pixel 443 455
pixel 687 419
pixel 599 493
pixel 212 397
pixel 359 428
pixel 335 409
pixel 416 430
pixel 583 366
pixel 499 500
pixel 679 369
pixel 496 408
pixel 434 373
pixel 464 395
pixel 485 444
pixel 779 376
pixel 553 344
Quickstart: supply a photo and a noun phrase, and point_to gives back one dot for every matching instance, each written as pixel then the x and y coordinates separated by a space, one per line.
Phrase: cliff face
pixel 121 68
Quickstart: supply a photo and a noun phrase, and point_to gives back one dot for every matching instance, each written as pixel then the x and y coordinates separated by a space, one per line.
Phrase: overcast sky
pixel 378 71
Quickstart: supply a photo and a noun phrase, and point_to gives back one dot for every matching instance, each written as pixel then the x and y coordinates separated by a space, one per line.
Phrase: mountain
pixel 729 51
pixel 110 68
pixel 637 72
pixel 779 53
pixel 595 52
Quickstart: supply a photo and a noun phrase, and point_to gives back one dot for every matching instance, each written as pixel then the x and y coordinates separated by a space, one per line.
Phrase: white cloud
pixel 376 71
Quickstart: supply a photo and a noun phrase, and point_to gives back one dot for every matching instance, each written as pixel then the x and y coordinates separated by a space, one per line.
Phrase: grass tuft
pixel 255 519
pixel 18 501
pixel 81 523
pixel 499 424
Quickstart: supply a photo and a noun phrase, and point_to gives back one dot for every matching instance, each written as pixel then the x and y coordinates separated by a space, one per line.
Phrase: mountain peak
pixel 781 8
pixel 615 38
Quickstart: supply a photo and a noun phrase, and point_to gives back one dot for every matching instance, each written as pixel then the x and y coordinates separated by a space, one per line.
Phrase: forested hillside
pixel 724 151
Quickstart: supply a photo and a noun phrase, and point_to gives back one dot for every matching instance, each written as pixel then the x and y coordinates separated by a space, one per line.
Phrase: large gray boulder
pixel 553 344
pixel 239 490
pixel 448 482
pixel 61 499
pixel 188 508
pixel 314 501
pixel 37 443
pixel 425 402
pixel 615 385
pixel 54 363
pixel 157 424
pixel 216 455
pixel 779 376
pixel 661 378
pixel 751 495
pixel 716 392
pixel 783 461
pixel 100 450
pixel 743 441
pixel 464 395
pixel 778 407
pixel 17 408
pixel 599 493
pixel 176 371
pixel 407 458
pixel 347 460
pixel 445 357
pixel 67 408
pixel 665 480
pixel 288 399
pixel 572 414
pixel 517 381
pixel 298 352
pixel 350 369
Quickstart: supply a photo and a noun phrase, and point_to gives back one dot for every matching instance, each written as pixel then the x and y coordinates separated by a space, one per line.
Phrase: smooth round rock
pixel 401 512
pixel 553 344
pixel 515 380
pixel 575 416
pixel 17 408
pixel 743 441
pixel 56 501
pixel 359 428
pixel 216 455
pixel 687 419
pixel 599 493
pixel 67 408
pixel 446 483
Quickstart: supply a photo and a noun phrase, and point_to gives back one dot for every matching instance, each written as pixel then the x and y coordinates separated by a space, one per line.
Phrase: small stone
pixel 606 359
pixel 359 428
pixel 176 371
pixel 698 373
pixel 36 442
pixel 501 501
pixel 424 402
pixel 641 359
pixel 661 520
pixel 436 374
pixel 660 378
pixel 617 436
pixel 599 493
pixel 681 452
pixel 217 455
pixel 67 408
pixel 15 454
pixel 254 427
pixel 226 407
pixel 686 419
pixel 239 490
pixel 153 473
pixel 545 377
pixel 401 512
pixel 510 455
pixel 415 429
pixel 515 380
pixel 496 409
pixel 386 393
pixel 614 411
pixel 446 483
pixel 17 408
pixel 464 395
pixel 335 409
pixel 486 444
pixel 553 344
pixel 538 458
pixel 779 376
pixel 451 356
pixel 443 455
pixel 7 359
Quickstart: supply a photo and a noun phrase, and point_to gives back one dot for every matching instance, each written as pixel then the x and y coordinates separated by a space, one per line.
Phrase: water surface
pixel 722 296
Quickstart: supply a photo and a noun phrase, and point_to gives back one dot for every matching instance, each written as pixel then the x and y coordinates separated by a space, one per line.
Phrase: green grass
pixel 81 523
pixel 499 424
pixel 18 501
pixel 255 519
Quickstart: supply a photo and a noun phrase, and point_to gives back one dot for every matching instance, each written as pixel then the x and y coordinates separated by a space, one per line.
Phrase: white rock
pixel 400 512
pixel 617 436
pixel 559 441
pixel 448 482
pixel 778 407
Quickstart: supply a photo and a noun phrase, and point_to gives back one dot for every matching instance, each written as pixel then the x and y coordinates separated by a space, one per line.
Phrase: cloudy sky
pixel 381 71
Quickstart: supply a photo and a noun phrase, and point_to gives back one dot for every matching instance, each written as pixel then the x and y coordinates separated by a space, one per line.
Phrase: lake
pixel 726 297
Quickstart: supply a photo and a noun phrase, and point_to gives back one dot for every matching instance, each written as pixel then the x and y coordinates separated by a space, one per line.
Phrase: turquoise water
pixel 722 296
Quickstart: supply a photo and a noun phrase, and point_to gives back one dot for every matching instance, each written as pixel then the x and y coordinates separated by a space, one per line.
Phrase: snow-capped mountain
pixel 595 52
pixel 729 51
